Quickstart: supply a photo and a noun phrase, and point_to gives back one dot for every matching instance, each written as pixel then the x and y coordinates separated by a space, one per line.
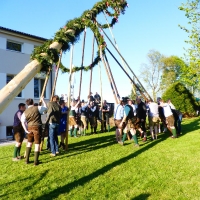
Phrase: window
pixel 8 79
pixel 9 132
pixel 14 46
pixel 38 87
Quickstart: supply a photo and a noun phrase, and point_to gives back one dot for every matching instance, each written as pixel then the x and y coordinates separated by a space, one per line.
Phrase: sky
pixel 146 25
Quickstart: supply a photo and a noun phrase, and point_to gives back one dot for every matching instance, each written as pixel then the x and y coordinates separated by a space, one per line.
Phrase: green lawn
pixel 96 167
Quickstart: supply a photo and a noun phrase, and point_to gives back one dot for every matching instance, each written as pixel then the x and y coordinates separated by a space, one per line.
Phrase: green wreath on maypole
pixel 70 33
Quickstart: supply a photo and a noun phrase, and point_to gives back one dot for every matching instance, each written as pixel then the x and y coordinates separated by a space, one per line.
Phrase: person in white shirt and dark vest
pixel 118 116
pixel 106 110
pixel 18 131
pixel 32 116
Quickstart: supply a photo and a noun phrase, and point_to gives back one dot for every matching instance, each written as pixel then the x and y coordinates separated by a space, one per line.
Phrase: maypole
pixel 48 53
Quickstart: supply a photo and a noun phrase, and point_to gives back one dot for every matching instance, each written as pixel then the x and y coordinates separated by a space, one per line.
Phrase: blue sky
pixel 146 25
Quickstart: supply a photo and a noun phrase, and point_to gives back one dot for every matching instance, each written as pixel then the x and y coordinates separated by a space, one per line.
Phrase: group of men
pixel 130 116
pixel 28 120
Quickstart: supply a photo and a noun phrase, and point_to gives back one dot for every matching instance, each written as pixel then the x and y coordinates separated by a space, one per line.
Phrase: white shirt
pixel 41 110
pixel 119 112
pixel 134 109
pixel 153 109
pixel 167 109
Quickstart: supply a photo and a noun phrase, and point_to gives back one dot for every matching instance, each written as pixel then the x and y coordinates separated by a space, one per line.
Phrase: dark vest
pixel 33 116
pixel 131 113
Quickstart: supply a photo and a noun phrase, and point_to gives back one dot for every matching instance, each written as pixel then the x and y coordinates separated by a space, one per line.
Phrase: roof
pixel 21 33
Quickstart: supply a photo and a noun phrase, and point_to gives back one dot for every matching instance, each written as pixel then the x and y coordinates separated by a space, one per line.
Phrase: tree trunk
pixel 19 82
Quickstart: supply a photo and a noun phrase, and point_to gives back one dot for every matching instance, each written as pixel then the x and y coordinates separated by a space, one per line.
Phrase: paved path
pixel 6 142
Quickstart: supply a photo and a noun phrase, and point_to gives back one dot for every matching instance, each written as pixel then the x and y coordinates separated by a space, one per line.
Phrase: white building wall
pixel 12 63
pixel 2 43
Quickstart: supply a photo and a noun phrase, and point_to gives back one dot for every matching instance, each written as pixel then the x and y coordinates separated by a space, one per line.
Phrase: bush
pixel 182 98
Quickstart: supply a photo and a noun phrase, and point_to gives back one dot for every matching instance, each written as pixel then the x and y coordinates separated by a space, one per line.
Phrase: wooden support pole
pixel 91 70
pixel 127 74
pixel 102 59
pixel 69 97
pixel 45 84
pixel 101 92
pixel 112 79
pixel 56 76
pixel 82 61
pixel 127 65
pixel 111 32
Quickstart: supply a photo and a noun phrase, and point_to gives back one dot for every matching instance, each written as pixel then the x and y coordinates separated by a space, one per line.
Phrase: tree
pixel 192 12
pixel 181 97
pixel 151 73
pixel 172 71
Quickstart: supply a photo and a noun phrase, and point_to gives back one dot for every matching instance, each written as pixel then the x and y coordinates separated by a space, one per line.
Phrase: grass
pixel 96 167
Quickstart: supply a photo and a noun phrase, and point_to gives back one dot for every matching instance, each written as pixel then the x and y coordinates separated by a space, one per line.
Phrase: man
pixel 92 117
pixel 18 131
pixel 169 118
pixel 118 116
pixel 162 117
pixel 129 121
pixel 72 121
pixel 53 119
pixel 141 118
pixel 171 104
pixel 154 119
pixel 84 115
pixel 63 123
pixel 32 116
pixel 97 98
pixel 106 110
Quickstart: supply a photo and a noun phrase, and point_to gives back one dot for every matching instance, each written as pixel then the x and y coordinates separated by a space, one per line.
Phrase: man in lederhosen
pixel 118 116
pixel 32 116
pixel 129 119
pixel 18 131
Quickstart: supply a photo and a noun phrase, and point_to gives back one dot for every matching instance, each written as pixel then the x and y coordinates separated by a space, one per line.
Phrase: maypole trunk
pixel 19 82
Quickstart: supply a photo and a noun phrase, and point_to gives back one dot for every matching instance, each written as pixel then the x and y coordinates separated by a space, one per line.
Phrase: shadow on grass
pixel 80 182
pixel 192 126
pixel 141 197
pixel 43 175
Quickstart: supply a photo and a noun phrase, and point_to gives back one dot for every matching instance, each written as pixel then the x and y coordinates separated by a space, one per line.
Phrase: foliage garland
pixel 70 33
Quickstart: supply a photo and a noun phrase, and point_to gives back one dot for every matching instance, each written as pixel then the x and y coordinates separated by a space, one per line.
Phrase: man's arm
pixel 23 121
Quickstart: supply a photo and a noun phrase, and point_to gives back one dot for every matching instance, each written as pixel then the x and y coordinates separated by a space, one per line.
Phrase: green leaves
pixel 70 34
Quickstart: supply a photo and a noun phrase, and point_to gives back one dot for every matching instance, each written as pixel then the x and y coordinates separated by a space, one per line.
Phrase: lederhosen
pixel 72 120
pixel 105 115
pixel 78 117
pixel 84 117
pixel 130 119
pixel 118 121
pixel 92 118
